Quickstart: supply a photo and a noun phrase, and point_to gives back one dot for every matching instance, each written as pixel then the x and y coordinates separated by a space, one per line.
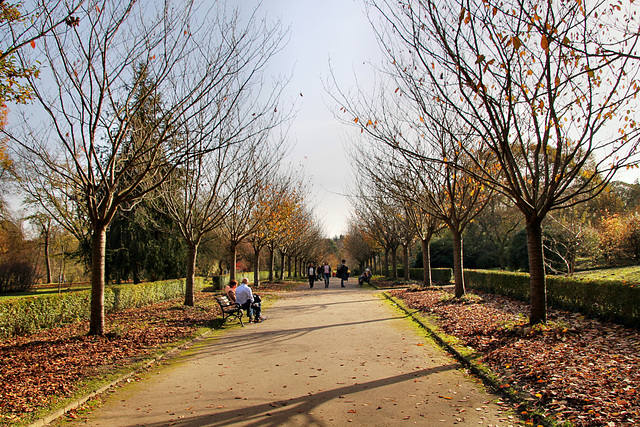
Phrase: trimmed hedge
pixel 608 299
pixel 439 276
pixel 23 316
pixel 219 282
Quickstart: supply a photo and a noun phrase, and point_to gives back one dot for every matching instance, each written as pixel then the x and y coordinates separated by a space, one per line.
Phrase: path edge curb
pixel 513 395
pixel 74 404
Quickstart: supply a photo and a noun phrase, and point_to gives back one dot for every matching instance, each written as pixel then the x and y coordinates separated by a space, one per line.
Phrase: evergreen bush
pixel 608 299
pixel 24 316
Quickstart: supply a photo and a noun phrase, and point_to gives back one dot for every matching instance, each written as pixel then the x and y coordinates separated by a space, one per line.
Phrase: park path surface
pixel 324 357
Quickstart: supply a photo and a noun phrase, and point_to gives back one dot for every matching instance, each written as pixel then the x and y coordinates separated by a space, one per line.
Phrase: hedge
pixel 439 276
pixel 608 299
pixel 23 316
pixel 219 282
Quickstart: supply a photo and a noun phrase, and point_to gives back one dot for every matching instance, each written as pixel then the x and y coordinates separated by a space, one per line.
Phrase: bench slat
pixel 229 309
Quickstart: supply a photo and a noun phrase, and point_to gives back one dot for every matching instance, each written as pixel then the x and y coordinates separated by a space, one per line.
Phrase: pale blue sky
pixel 321 31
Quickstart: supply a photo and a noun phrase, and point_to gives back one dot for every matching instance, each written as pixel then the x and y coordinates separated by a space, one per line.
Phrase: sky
pixel 325 33
pixel 321 31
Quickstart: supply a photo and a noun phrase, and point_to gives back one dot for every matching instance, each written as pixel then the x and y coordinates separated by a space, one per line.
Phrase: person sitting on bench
pixel 230 290
pixel 249 301
pixel 365 277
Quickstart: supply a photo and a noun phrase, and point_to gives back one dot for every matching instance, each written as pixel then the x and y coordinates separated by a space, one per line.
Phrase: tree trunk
pixel 47 257
pixel 386 262
pixel 256 267
pixel 282 261
pixel 192 253
pixel 376 266
pixel 405 261
pixel 426 261
pixel 394 264
pixel 61 271
pixel 272 262
pixel 537 279
pixel 289 267
pixel 458 273
pixel 232 254
pixel 98 250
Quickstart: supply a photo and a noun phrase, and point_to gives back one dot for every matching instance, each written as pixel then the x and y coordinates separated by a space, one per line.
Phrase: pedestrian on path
pixel 343 273
pixel 327 274
pixel 312 275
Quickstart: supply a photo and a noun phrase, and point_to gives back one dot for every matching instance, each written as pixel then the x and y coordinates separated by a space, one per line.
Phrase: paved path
pixel 325 357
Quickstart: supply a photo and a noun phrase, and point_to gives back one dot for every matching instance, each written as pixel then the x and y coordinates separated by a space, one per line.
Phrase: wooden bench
pixel 230 309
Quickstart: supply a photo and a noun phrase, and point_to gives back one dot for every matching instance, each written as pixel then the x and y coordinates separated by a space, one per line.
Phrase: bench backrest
pixel 224 301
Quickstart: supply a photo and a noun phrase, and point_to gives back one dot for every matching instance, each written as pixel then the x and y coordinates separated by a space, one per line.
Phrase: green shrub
pixel 439 276
pixel 219 282
pixel 23 316
pixel 609 299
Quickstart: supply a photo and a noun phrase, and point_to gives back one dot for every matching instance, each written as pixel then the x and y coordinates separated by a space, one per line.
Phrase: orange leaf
pixel 516 42
pixel 544 43
pixel 33 44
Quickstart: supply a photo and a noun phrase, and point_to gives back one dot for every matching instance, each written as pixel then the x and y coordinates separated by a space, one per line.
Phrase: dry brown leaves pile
pixel 37 370
pixel 573 369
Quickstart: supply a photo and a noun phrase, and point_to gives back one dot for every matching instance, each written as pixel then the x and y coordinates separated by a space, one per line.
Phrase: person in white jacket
pixel 245 297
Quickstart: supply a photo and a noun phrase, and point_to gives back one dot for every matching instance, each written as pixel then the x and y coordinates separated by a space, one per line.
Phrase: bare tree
pixel 356 242
pixel 273 195
pixel 377 213
pixel 124 57
pixel 546 87
pixel 215 190
pixel 425 172
pixel 261 161
pixel 20 28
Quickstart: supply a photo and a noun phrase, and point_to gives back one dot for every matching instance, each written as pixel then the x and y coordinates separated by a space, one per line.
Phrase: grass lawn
pixel 40 290
pixel 630 274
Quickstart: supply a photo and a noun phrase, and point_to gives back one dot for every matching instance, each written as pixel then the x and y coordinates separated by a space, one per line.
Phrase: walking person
pixel 327 273
pixel 343 273
pixel 312 275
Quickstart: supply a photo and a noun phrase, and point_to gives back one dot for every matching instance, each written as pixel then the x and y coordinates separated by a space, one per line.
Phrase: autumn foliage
pixel 573 369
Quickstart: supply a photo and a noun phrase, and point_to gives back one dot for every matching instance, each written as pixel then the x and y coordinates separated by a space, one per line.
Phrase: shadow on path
pixel 282 411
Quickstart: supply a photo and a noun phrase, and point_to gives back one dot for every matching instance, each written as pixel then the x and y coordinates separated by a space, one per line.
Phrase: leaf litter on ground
pixel 577 369
pixel 38 370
